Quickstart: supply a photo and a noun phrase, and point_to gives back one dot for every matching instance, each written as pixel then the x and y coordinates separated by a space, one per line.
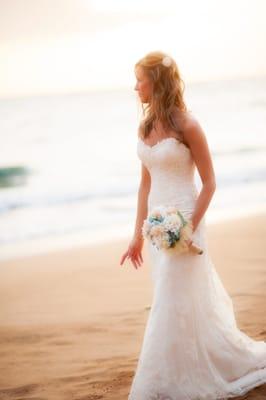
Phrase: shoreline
pixel 39 246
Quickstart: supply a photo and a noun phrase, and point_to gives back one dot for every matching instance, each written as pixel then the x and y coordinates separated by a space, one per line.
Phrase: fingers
pixel 189 242
pixel 139 258
pixel 123 258
pixel 135 261
pixel 132 258
pixel 136 258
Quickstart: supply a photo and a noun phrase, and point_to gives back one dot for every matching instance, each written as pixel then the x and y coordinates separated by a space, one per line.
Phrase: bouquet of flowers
pixel 167 228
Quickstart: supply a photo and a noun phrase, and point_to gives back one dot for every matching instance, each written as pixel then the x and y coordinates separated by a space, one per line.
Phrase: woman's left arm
pixel 195 138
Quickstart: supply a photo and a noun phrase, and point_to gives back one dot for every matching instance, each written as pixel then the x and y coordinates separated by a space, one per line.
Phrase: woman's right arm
pixel 135 247
pixel 142 206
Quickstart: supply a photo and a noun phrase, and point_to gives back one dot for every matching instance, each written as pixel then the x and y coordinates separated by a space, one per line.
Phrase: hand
pixel 134 252
pixel 193 247
pixel 189 242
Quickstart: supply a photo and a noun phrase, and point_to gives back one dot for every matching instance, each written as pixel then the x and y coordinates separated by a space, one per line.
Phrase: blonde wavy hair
pixel 166 104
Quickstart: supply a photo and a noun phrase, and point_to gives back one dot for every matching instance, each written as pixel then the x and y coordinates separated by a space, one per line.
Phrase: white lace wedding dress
pixel 192 348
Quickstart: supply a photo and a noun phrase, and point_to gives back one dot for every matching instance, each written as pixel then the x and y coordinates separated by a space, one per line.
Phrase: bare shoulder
pixel 193 131
pixel 196 140
pixel 189 125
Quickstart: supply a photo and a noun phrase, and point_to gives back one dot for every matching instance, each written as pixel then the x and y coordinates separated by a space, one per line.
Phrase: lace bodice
pixel 171 166
pixel 192 348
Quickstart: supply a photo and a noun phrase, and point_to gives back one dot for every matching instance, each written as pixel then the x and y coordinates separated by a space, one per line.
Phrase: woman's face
pixel 143 85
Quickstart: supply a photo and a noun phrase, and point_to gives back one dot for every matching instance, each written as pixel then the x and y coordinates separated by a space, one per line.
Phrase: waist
pixel 184 197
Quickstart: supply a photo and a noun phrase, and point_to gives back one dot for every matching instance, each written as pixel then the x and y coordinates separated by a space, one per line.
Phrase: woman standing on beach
pixel 192 348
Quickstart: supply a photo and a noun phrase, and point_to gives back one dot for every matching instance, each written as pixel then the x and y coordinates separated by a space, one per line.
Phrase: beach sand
pixel 72 322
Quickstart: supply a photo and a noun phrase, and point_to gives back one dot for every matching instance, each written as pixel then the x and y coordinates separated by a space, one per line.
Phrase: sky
pixel 58 46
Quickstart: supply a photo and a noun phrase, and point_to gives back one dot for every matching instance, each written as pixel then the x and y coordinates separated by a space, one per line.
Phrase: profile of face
pixel 143 85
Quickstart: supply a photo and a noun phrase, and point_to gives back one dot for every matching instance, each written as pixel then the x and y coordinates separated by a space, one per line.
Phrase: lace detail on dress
pixel 169 173
pixel 192 348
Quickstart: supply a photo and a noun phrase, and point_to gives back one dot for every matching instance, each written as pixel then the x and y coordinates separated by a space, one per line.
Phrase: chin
pixel 143 100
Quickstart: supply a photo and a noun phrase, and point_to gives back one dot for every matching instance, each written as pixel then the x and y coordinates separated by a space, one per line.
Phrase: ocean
pixel 73 169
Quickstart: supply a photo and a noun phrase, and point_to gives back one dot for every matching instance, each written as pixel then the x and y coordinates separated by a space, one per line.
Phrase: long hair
pixel 166 104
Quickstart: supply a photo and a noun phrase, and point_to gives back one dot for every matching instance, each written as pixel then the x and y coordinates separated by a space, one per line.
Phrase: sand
pixel 72 322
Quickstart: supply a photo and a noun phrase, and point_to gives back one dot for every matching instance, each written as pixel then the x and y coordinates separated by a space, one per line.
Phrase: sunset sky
pixel 53 46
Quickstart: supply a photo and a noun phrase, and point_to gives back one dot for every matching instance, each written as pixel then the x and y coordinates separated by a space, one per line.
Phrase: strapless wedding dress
pixel 192 348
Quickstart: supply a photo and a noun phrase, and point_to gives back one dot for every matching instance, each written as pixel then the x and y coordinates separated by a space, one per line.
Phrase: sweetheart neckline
pixel 163 140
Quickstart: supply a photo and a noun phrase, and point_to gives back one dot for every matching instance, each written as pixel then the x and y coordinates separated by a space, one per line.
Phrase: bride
pixel 192 348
